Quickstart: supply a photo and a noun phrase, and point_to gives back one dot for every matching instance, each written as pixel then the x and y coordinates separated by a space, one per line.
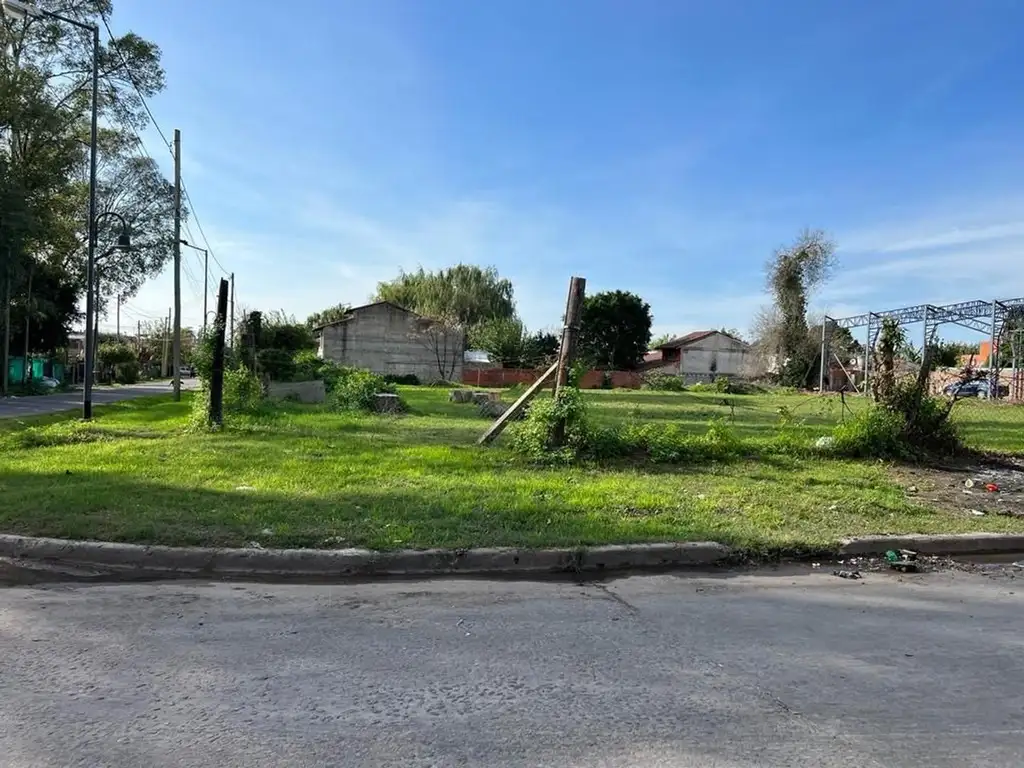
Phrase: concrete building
pixel 391 340
pixel 700 356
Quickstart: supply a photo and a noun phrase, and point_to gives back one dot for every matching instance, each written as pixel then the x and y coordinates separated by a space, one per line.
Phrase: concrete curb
pixel 98 559
pixel 957 544
pixel 107 558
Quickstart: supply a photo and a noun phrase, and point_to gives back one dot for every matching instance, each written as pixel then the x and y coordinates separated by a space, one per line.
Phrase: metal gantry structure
pixel 985 316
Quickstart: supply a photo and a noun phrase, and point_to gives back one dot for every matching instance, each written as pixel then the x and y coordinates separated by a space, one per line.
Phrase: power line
pixel 131 79
pixel 163 136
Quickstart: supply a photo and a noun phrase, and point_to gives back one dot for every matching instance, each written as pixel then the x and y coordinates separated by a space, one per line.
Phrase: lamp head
pixel 17 9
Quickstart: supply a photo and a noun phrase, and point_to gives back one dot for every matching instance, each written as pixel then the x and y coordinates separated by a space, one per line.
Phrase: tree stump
pixel 492 409
pixel 460 396
pixel 385 402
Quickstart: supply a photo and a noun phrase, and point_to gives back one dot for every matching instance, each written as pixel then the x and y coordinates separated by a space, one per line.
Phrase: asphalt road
pixel 800 669
pixel 68 401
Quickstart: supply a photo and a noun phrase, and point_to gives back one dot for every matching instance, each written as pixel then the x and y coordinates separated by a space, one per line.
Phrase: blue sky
pixel 660 147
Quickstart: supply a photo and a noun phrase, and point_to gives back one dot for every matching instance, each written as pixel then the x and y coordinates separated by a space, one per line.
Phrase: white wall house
pixel 701 356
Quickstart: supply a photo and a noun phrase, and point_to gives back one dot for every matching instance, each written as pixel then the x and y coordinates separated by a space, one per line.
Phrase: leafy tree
pixel 615 330
pixel 792 274
pixel 45 104
pixel 505 340
pixel 327 316
pixel 462 296
pixel 543 348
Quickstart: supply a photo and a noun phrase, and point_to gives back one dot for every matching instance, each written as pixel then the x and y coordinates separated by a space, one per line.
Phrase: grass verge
pixel 307 477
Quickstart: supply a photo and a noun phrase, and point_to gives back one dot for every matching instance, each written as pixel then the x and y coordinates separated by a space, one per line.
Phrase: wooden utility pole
pixel 177 265
pixel 231 314
pixel 138 334
pixel 567 349
pixel 216 413
pixel 559 369
pixel 119 317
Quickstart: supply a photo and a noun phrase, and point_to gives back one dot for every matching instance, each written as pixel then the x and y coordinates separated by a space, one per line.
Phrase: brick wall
pixel 507 377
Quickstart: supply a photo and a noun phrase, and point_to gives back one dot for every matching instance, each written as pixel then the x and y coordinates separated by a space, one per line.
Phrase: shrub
pixel 243 391
pixel 278 364
pixel 356 389
pixel 533 437
pixel 126 373
pixel 407 379
pixel 908 425
pixel 664 382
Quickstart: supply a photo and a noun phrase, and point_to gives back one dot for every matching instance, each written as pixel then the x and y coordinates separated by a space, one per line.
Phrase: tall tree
pixel 615 330
pixel 792 274
pixel 45 101
pixel 464 295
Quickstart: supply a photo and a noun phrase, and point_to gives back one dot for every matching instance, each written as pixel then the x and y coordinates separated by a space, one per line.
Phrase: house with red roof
pixel 700 356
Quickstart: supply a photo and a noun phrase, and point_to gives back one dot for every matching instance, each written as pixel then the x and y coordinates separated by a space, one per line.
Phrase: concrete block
pixel 303 391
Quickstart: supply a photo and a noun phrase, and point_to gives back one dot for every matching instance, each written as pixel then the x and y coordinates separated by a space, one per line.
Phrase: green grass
pixel 305 476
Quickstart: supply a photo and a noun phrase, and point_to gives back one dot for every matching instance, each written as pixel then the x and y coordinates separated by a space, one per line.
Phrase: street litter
pixel 847 574
pixel 976 512
pixel 991 487
pixel 904 560
pixel 968 483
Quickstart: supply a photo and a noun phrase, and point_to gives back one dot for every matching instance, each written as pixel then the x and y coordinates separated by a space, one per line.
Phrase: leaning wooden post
pixel 567 349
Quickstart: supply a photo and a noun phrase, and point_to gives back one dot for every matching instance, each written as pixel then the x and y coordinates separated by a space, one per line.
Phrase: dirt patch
pixel 974 489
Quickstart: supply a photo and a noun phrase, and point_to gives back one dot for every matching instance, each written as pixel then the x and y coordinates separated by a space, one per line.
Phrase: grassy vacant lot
pixel 306 476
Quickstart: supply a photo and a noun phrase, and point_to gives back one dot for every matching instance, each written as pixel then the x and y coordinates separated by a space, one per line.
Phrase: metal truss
pixel 988 317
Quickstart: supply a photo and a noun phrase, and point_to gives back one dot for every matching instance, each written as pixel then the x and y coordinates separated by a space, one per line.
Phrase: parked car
pixel 49 382
pixel 187 372
pixel 976 388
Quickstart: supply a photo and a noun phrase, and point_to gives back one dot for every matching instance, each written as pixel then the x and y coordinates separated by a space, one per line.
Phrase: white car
pixel 49 382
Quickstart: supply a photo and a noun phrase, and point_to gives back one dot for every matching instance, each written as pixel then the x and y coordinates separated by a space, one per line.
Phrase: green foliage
pixel 906 424
pixel 793 273
pixel 657 341
pixel 356 389
pixel 278 364
pixel 127 373
pixel 328 316
pixel 947 354
pixel 543 349
pixel 243 391
pixel 406 379
pixel 656 443
pixel 664 382
pixel 505 340
pixel 615 330
pixel 533 437
pixel 113 353
pixel 464 295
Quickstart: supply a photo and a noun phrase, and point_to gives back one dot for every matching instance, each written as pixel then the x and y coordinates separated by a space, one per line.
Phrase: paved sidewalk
pixel 789 667
pixel 68 401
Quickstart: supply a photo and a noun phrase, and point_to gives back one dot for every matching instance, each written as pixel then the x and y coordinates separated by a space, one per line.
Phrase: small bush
pixel 126 373
pixel 909 425
pixel 532 438
pixel 664 382
pixel 278 364
pixel 702 386
pixel 356 389
pixel 243 391
pixel 407 379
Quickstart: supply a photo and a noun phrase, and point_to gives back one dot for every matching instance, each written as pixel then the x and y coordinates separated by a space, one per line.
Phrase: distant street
pixel 67 401
pixel 791 668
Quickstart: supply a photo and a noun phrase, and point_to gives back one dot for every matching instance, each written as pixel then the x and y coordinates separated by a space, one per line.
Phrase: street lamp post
pixel 19 9
pixel 206 274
